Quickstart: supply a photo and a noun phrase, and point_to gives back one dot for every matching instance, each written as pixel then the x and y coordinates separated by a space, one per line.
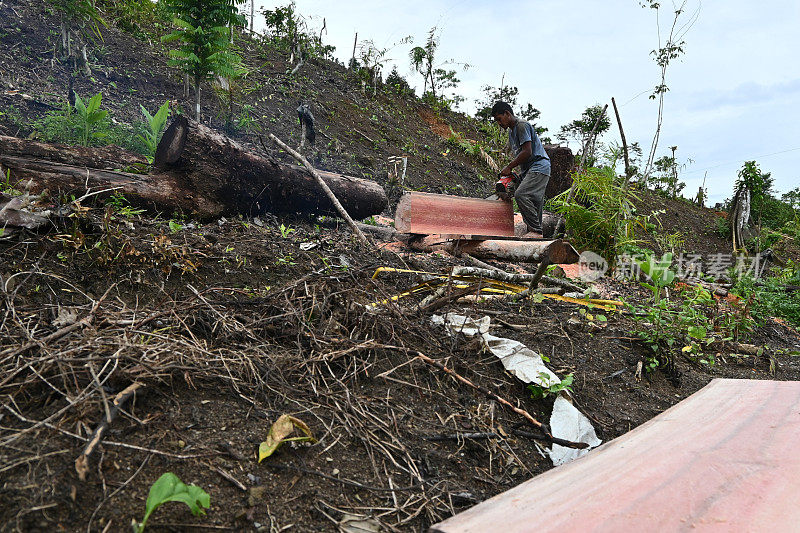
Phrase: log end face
pixel 172 143
pixel 402 215
pixel 562 252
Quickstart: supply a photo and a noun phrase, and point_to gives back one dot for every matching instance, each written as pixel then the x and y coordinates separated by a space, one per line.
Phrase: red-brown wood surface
pixel 724 459
pixel 427 213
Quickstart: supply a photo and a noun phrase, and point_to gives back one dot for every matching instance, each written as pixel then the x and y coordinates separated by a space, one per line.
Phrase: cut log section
pixel 218 167
pixel 724 459
pixel 427 213
pixel 529 251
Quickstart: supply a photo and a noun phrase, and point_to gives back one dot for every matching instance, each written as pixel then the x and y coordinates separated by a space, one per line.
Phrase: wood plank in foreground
pixel 724 459
pixel 427 213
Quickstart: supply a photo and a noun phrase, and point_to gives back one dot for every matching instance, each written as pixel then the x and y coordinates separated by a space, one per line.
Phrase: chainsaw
pixel 503 187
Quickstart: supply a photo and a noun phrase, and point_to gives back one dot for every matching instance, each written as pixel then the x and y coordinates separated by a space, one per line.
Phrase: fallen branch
pixel 509 277
pixel 82 462
pixel 324 186
pixel 540 270
pixel 455 295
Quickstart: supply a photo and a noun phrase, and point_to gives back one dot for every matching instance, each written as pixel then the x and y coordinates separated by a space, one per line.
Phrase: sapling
pixel 90 114
pixel 169 488
pixel 155 126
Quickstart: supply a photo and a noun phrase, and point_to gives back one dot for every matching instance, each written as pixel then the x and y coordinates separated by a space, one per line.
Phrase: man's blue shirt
pixel 521 133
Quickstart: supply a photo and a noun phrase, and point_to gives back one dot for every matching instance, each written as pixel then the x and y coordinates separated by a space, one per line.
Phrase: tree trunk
pixel 556 251
pixel 155 191
pixel 200 172
pixel 197 98
pixel 221 168
pixel 108 157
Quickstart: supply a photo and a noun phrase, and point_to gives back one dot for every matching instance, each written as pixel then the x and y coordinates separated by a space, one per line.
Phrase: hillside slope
pixel 227 325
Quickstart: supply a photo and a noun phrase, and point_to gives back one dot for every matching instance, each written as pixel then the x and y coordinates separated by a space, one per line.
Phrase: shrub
pixel 600 216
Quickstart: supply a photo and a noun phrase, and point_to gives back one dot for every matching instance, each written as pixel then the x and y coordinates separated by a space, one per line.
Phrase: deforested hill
pixel 297 378
pixel 359 125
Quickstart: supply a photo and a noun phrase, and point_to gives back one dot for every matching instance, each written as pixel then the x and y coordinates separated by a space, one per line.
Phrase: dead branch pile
pixel 305 348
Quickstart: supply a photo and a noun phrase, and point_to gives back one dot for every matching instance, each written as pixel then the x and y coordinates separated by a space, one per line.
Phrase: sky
pixel 734 95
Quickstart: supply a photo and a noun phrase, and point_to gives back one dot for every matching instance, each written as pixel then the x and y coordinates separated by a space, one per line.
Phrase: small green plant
pixel 6 186
pixel 175 226
pixel 90 115
pixel 169 488
pixel 599 212
pixel 120 205
pixel 155 127
pixel 659 273
pixel 286 231
pixel 539 392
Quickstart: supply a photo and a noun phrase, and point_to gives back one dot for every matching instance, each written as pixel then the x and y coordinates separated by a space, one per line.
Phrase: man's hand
pixel 506 171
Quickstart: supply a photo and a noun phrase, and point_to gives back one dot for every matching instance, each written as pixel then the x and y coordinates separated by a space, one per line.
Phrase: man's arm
pixel 523 156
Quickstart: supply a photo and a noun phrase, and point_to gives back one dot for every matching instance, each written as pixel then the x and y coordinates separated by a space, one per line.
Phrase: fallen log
pixel 532 251
pixel 247 183
pixel 107 158
pixel 204 174
pixel 510 277
pixel 553 225
pixel 156 191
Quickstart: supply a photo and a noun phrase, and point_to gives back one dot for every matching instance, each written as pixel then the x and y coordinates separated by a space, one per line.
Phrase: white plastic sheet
pixel 566 421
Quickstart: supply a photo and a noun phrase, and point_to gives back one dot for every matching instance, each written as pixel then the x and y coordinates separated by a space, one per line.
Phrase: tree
pixel 373 58
pixel 508 94
pixel 203 30
pixel 663 56
pixel 84 15
pixel 289 30
pixel 580 130
pixel 759 184
pixel 792 198
pixel 665 177
pixel 435 75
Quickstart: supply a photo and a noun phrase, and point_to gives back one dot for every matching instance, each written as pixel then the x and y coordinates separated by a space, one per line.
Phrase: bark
pixel 206 181
pixel 557 251
pixel 247 183
pixel 163 192
pixel 108 157
pixel 562 163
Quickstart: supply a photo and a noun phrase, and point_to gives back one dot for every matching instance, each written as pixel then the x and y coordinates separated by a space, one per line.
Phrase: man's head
pixel 503 115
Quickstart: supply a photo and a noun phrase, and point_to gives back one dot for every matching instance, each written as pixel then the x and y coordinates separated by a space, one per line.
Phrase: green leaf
pixel 169 488
pixel 96 116
pixel 697 332
pixel 79 105
pixel 94 103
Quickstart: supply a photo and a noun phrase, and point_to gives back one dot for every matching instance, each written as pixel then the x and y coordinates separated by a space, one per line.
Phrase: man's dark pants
pixel 530 199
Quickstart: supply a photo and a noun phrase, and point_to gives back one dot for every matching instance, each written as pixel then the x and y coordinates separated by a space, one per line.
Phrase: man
pixel 533 162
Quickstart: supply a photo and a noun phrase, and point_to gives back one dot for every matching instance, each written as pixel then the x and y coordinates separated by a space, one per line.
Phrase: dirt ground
pixel 228 324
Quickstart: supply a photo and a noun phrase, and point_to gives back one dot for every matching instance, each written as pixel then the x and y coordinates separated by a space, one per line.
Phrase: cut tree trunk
pixel 164 192
pixel 108 158
pixel 247 183
pixel 221 179
pixel 557 251
pixel 562 164
pixel 426 213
